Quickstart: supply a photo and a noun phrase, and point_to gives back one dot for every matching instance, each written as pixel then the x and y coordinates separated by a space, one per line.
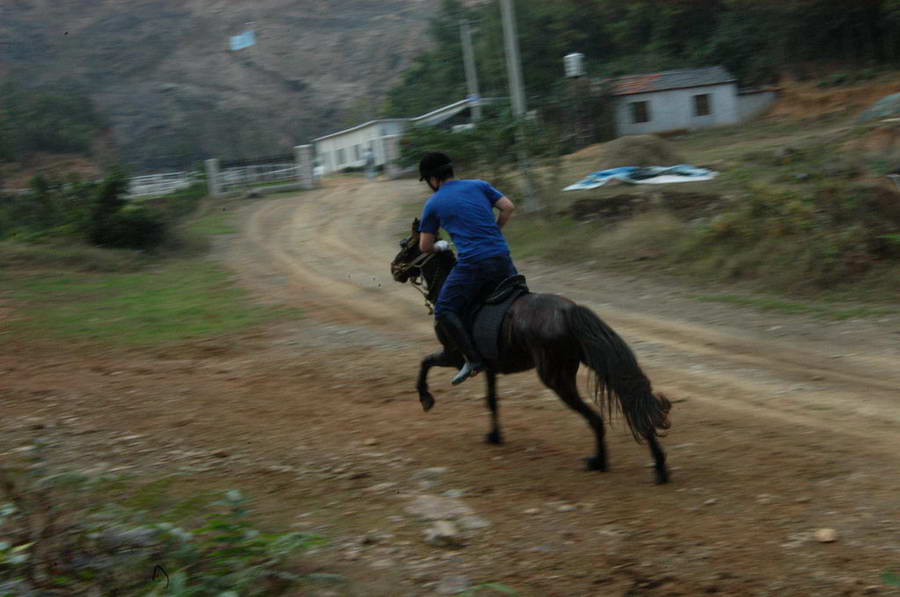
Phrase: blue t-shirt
pixel 464 209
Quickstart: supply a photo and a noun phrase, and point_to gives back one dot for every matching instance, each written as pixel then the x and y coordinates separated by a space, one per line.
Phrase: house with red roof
pixel 684 99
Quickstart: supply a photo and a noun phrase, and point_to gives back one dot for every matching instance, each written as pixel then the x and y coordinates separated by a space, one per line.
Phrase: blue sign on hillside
pixel 244 40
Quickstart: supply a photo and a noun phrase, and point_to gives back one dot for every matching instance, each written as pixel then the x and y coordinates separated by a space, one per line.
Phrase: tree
pixel 752 39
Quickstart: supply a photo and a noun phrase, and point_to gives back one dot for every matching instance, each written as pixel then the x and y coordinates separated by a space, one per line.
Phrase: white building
pixel 347 148
pixel 684 99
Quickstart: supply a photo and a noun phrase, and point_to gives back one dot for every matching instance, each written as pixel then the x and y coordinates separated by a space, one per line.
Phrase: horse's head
pixel 401 266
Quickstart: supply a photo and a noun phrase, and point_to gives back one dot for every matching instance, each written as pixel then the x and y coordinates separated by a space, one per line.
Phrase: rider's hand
pixel 441 246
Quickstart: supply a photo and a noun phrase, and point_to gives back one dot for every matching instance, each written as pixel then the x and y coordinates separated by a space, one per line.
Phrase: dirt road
pixel 783 426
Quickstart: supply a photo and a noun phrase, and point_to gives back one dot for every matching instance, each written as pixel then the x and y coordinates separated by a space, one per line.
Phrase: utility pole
pixel 513 62
pixel 471 74
pixel 574 66
pixel 517 93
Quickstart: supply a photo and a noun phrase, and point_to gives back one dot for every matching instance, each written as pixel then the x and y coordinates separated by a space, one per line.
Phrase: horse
pixel 553 335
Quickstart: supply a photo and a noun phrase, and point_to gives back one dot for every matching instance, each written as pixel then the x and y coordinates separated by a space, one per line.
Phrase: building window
pixel 340 157
pixel 702 105
pixel 640 112
pixel 357 153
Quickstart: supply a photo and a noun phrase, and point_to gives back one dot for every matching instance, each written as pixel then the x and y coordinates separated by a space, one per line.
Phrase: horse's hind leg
pixel 561 379
pixel 437 359
pixel 659 458
pixel 494 437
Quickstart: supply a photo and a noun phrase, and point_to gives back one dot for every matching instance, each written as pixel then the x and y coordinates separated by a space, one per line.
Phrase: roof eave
pixel 674 88
pixel 360 126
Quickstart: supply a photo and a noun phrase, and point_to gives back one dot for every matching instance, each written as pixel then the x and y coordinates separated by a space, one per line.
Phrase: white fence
pixel 160 184
pixel 242 176
pixel 229 179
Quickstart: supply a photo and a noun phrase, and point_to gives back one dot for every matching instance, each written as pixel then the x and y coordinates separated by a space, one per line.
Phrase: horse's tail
pixel 618 382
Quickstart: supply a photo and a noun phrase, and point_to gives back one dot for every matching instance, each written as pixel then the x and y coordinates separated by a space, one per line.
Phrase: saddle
pixel 486 319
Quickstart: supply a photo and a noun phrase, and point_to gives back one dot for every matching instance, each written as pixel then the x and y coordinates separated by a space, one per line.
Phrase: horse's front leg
pixel 494 437
pixel 436 359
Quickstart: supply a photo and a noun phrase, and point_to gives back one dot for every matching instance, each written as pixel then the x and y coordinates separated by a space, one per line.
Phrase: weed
pixel 57 541
pixel 891 578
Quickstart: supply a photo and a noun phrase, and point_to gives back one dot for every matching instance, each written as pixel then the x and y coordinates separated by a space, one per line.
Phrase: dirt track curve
pixel 783 425
pixel 336 245
pixel 803 410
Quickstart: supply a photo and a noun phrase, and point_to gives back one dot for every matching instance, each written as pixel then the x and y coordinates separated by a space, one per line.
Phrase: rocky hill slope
pixel 162 72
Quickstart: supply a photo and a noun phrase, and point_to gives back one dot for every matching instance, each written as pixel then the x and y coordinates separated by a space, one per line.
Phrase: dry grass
pixel 802 100
pixel 638 150
pixel 645 237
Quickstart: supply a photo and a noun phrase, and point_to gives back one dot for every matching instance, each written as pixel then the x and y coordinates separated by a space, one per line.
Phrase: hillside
pixel 162 74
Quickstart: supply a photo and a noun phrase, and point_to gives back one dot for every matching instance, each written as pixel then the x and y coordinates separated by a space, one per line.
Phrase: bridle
pixel 418 262
pixel 417 280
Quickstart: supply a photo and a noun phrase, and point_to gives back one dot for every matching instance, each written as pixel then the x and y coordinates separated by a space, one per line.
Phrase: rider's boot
pixel 456 332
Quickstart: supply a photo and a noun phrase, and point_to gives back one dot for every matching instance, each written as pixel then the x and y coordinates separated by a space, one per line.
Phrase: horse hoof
pixel 662 478
pixel 427 402
pixel 595 464
pixel 494 438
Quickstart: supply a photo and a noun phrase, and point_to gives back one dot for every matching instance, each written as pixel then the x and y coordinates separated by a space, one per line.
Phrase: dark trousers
pixel 468 282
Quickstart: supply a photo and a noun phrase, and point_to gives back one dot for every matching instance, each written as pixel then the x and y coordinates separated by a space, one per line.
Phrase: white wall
pixel 674 110
pixel 363 137
pixel 752 104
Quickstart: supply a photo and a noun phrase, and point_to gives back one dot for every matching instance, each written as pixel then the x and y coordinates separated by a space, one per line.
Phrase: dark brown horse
pixel 553 335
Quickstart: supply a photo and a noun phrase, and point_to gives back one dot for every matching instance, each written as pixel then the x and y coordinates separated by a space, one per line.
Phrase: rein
pixel 417 283
pixel 418 262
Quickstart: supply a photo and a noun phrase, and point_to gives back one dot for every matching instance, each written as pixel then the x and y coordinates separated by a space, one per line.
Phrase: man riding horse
pixel 464 208
pixel 515 328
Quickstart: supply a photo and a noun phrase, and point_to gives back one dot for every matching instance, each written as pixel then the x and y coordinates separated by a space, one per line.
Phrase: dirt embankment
pixel 810 99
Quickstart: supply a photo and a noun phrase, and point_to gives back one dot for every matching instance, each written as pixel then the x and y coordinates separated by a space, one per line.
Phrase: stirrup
pixel 468 370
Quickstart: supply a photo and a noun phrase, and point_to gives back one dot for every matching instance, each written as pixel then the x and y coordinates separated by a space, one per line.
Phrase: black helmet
pixel 435 163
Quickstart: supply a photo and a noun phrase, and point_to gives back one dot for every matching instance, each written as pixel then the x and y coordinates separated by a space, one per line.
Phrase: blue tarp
pixel 244 40
pixel 644 175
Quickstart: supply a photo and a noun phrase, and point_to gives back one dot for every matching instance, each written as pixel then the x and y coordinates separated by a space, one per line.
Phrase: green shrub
pixel 52 206
pixel 94 211
pixel 833 235
pixel 129 229
pixel 56 541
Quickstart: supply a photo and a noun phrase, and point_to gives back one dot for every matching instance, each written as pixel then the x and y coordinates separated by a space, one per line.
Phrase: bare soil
pixel 783 425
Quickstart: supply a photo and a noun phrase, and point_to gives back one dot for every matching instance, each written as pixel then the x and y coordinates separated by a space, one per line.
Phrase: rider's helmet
pixel 437 164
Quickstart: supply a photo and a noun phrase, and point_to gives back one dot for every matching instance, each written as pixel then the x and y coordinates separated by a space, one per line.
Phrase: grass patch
pixel 798 308
pixel 167 499
pixel 562 239
pixel 214 224
pixel 183 300
pixel 70 256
